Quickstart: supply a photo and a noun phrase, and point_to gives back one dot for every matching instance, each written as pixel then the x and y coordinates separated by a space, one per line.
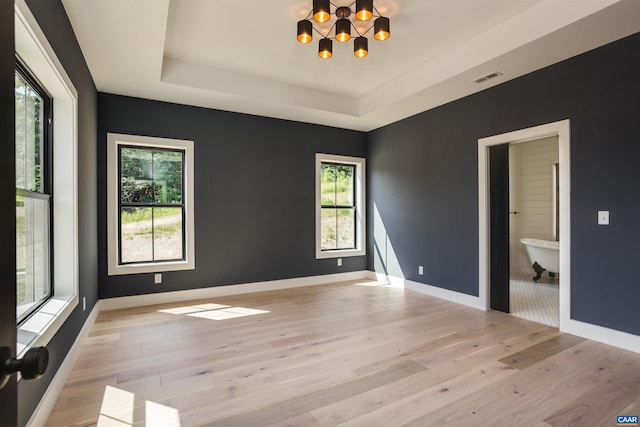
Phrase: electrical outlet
pixel 339 262
pixel 157 279
pixel 420 270
pixel 603 217
pixel 84 303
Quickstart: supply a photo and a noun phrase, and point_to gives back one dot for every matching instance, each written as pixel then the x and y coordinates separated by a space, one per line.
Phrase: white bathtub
pixel 545 253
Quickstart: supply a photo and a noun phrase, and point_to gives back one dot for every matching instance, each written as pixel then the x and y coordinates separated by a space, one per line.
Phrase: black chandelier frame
pixel 364 11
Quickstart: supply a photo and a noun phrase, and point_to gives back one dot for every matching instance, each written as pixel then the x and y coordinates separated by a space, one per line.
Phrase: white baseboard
pixel 434 291
pixel 604 335
pixel 218 291
pixel 50 397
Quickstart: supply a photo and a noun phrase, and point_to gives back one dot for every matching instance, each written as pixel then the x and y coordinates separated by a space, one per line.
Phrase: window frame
pixel 359 202
pixel 114 143
pixel 46 182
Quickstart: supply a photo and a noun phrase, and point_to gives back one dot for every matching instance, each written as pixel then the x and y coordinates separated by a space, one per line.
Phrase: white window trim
pixel 34 49
pixel 361 214
pixel 113 141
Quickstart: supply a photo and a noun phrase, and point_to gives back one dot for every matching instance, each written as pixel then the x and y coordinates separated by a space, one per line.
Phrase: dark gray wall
pixel 254 193
pixel 55 24
pixel 423 180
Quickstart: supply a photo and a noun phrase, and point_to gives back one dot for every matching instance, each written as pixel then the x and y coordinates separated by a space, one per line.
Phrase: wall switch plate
pixel 157 278
pixel 603 217
pixel 339 262
pixel 420 270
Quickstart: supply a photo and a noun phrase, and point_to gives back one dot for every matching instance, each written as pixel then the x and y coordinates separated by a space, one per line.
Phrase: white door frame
pixel 560 129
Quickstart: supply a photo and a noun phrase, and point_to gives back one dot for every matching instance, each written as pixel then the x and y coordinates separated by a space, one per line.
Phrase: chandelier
pixel 341 28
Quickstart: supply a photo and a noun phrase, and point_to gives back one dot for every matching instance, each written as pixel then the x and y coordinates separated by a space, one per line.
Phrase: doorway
pixel 533 203
pixel 489 259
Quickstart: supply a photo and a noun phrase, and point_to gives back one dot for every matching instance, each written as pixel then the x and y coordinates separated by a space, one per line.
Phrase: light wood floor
pixel 342 354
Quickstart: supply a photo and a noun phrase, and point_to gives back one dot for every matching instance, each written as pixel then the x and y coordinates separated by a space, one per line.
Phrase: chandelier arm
pixel 326 36
pixel 379 15
pixel 365 33
pixel 359 33
pixel 355 28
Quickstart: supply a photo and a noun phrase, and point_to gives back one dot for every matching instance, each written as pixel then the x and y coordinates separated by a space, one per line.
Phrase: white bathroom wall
pixel 537 159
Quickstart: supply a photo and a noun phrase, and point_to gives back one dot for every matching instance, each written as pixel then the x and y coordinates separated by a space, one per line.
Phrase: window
pixel 150 187
pixel 340 206
pixel 151 217
pixel 46 186
pixel 33 193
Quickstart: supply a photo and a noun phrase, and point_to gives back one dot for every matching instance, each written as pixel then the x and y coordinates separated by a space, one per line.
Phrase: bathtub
pixel 544 254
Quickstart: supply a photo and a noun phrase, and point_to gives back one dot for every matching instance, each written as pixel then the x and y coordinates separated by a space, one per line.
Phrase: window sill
pixel 42 325
pixel 152 267
pixel 340 253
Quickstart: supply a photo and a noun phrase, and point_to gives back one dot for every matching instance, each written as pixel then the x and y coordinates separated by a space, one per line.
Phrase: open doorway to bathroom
pixel 534 230
pixel 495 288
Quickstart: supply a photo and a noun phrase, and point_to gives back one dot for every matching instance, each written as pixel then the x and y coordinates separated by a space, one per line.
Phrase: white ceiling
pixel 243 56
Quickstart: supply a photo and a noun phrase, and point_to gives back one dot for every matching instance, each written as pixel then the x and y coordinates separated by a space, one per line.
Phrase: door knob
pixel 32 366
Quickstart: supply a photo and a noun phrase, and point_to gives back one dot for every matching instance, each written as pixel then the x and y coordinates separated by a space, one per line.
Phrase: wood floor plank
pixel 596 405
pixel 433 398
pixel 512 397
pixel 306 403
pixel 534 354
pixel 435 374
pixel 339 354
pixel 540 403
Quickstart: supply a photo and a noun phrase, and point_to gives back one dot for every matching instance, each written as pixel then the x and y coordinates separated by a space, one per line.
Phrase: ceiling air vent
pixel 487 77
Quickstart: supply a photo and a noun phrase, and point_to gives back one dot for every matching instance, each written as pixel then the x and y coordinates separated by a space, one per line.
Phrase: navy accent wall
pixel 254 193
pixel 53 20
pixel 423 180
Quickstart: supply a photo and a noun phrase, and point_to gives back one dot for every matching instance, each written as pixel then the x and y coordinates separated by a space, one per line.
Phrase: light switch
pixel 603 217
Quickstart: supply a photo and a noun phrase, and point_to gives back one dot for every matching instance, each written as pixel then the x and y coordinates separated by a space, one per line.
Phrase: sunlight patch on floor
pixel 188 309
pixel 371 284
pixel 213 311
pixel 117 410
pixel 157 415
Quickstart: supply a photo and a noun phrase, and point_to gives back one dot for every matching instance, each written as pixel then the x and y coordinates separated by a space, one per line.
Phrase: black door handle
pixel 32 366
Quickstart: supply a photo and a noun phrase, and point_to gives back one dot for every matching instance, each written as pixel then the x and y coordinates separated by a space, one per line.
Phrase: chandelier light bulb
pixel 325 48
pixel 381 28
pixel 321 10
pixel 361 47
pixel 343 30
pixel 364 9
pixel 305 31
